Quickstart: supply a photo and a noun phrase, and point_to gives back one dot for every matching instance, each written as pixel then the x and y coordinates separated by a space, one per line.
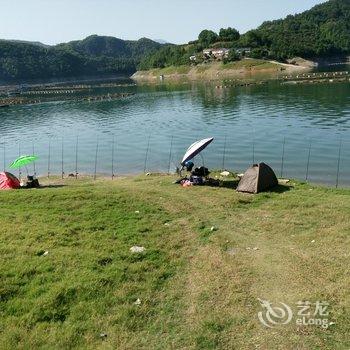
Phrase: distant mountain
pixel 161 41
pixel 109 46
pixel 92 56
pixel 38 43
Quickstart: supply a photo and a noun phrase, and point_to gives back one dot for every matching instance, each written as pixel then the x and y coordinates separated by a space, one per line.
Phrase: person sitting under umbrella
pixel 189 165
pixel 23 161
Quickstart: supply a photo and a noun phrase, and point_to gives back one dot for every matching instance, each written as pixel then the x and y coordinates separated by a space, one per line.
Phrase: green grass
pixel 202 68
pixel 255 64
pixel 171 70
pixel 248 64
pixel 199 288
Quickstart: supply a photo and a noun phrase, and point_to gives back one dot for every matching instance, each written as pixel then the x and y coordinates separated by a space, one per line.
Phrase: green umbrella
pixel 23 161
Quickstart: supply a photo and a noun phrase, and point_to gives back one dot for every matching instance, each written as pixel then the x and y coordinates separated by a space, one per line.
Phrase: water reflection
pixel 254 121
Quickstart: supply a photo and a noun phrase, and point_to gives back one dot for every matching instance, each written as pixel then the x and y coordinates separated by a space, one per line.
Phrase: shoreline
pixel 244 69
pixel 215 173
pixel 40 82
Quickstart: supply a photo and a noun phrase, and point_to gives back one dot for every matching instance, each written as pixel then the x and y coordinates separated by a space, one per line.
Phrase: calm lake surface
pixel 152 129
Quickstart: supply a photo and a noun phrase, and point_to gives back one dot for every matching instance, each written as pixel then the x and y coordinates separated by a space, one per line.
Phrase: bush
pixel 232 56
pixel 258 53
pixel 229 34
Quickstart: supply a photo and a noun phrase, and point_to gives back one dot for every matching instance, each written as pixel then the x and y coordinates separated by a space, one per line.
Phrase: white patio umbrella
pixel 195 149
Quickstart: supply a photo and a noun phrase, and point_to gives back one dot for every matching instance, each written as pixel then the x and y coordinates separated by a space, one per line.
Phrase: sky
pixel 176 21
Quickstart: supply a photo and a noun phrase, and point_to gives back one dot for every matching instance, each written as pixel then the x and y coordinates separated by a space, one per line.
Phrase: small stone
pixel 248 248
pixel 166 224
pixel 213 228
pixel 255 248
pixel 225 173
pixel 283 181
pixel 137 249
pixel 313 241
pixel 103 335
pixel 137 212
pixel 45 253
pixel 137 302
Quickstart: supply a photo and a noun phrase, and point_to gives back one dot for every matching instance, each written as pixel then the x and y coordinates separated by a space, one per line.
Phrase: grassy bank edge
pixel 244 68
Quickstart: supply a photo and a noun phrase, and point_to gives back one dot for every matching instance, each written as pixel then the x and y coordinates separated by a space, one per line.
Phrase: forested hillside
pixel 95 55
pixel 322 31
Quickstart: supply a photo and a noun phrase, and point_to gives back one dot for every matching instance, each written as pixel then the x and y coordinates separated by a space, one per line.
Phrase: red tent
pixel 8 181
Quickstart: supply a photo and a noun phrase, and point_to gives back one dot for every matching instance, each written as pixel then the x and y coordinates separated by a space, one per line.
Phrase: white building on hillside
pixel 218 53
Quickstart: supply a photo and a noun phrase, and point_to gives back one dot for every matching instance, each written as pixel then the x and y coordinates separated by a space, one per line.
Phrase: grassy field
pixel 251 64
pixel 69 280
pixel 170 70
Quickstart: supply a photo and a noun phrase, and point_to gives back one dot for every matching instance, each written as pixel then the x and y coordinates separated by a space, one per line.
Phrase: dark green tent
pixel 260 177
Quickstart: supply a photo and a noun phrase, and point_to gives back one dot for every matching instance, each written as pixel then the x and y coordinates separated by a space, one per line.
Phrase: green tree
pixel 253 38
pixel 229 34
pixel 258 53
pixel 232 56
pixel 207 37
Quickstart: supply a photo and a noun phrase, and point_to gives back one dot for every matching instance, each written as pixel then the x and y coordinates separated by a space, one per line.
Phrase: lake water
pixel 151 130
